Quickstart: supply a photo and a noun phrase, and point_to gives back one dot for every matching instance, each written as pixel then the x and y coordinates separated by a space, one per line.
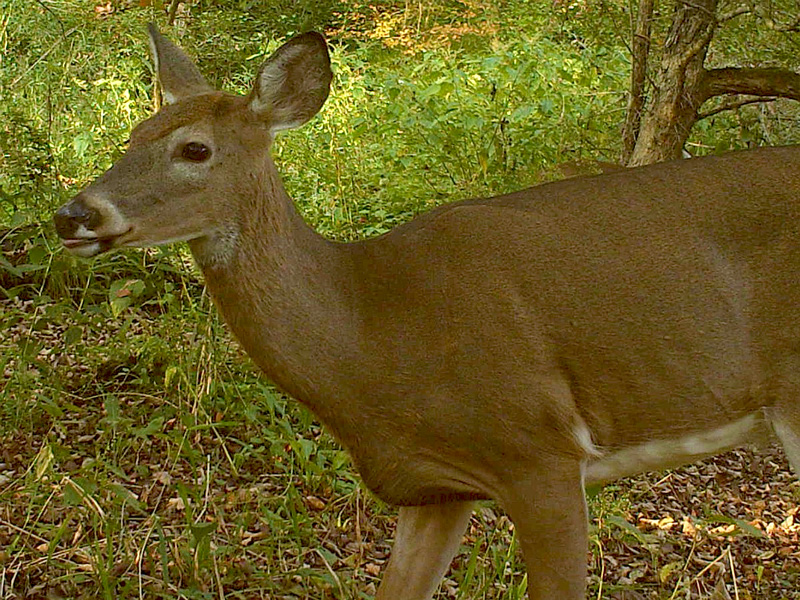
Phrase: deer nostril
pixel 74 214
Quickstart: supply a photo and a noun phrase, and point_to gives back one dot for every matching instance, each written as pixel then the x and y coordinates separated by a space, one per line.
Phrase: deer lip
pixel 105 242
pixel 79 242
pixel 76 242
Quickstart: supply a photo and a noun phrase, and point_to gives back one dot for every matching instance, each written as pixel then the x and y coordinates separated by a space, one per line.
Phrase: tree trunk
pixel 679 84
pixel 640 50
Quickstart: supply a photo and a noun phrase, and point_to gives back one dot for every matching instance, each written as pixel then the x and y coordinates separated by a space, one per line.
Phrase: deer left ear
pixel 293 84
pixel 178 75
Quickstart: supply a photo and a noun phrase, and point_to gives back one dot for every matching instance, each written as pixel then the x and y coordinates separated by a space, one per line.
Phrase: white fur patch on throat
pixel 215 250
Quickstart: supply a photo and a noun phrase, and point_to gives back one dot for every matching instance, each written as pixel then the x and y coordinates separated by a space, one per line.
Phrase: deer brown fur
pixel 512 348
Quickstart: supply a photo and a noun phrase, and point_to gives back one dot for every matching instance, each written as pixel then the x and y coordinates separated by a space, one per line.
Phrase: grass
pixel 142 455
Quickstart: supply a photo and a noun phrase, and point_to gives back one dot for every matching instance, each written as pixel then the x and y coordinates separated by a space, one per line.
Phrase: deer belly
pixel 673 452
pixel 422 477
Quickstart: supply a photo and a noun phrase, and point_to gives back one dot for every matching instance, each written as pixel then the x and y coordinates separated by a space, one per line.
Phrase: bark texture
pixel 657 128
pixel 753 81
pixel 640 50
pixel 678 89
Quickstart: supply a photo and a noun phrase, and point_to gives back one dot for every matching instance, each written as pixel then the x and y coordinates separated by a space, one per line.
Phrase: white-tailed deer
pixel 511 348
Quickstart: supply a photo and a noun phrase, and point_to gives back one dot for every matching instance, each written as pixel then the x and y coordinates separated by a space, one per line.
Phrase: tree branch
pixel 173 11
pixel 732 14
pixel 700 45
pixel 735 105
pixel 782 83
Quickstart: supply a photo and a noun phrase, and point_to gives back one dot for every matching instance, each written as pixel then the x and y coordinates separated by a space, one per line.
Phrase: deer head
pixel 202 143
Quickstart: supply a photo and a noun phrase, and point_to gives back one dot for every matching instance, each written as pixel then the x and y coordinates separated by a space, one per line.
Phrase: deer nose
pixel 74 214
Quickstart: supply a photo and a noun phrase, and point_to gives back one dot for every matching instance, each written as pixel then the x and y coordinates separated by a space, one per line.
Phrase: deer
pixel 514 349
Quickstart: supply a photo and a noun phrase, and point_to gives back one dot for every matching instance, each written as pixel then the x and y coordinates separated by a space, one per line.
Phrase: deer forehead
pixel 198 113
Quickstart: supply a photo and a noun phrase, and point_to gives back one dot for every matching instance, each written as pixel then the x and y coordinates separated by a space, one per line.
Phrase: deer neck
pixel 282 288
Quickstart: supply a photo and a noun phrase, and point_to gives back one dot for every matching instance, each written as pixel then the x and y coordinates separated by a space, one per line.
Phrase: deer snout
pixel 76 220
pixel 88 227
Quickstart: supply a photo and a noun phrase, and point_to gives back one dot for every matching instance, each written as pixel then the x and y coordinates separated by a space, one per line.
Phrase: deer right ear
pixel 294 83
pixel 177 73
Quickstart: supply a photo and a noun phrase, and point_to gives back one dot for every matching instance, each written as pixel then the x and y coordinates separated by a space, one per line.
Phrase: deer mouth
pixel 92 246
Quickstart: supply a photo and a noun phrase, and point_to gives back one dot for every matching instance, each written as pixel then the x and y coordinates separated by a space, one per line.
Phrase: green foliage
pixel 457 123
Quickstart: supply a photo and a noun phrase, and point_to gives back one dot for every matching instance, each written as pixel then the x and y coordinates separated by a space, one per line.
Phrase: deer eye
pixel 196 152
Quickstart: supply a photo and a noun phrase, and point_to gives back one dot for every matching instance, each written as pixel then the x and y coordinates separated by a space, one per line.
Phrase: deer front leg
pixel 426 540
pixel 548 508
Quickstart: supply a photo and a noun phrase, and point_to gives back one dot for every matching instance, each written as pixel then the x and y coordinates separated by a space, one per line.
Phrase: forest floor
pixel 115 493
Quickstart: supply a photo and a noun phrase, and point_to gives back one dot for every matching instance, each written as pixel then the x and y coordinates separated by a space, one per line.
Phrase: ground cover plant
pixel 141 455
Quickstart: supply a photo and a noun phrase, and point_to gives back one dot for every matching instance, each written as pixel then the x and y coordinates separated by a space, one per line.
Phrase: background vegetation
pixel 141 455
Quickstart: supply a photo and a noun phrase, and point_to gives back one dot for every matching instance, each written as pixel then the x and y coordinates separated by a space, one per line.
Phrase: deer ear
pixel 293 84
pixel 177 73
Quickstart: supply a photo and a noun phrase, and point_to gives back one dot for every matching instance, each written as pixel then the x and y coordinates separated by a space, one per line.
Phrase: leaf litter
pixel 88 506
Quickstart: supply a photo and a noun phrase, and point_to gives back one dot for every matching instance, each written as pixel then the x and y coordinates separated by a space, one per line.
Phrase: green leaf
pixel 668 569
pixel 73 335
pixel 200 531
pixel 304 448
pixel 631 529
pixel 521 113
pixel 29 349
pixel 122 292
pixel 745 527
pixel 43 460
pixel 20 218
pixel 51 408
pixel 15 272
pixel 38 255
pixel 169 374
pixel 72 497
pixel 151 428
pixel 429 91
pixel 81 143
pixel 546 106
pixel 127 496
pixel 118 305
pixel 113 412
